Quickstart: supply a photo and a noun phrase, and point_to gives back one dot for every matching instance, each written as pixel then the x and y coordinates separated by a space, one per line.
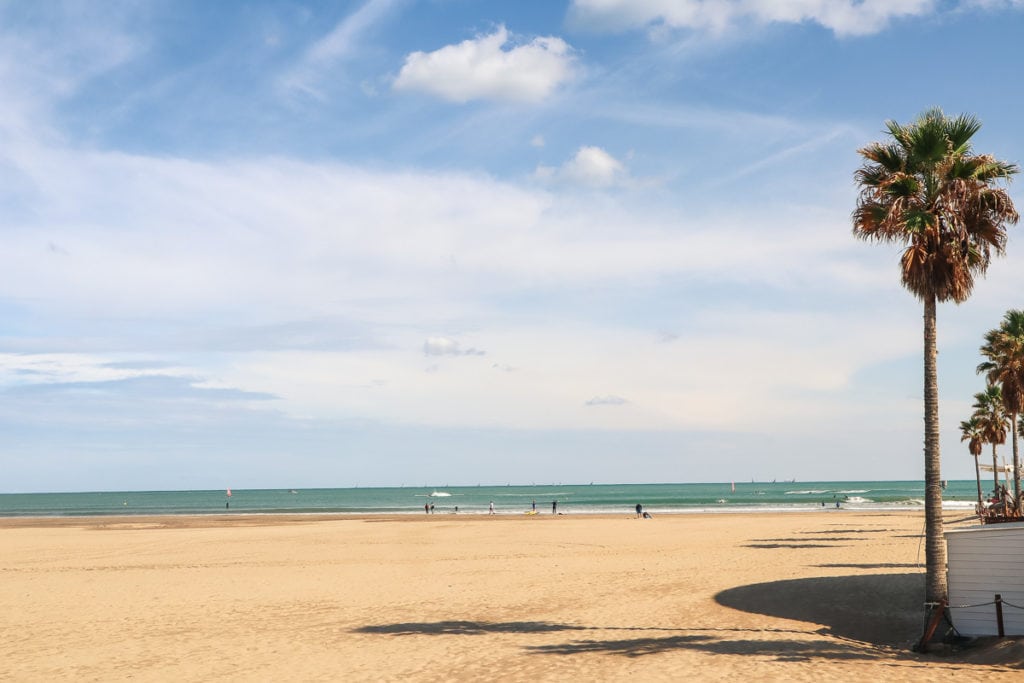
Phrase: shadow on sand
pixel 717 641
pixel 870 565
pixel 792 546
pixel 882 609
pixel 467 628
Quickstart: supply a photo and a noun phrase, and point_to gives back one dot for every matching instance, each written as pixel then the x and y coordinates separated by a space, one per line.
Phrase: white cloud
pixel 481 69
pixel 843 17
pixel 445 346
pixel 610 400
pixel 257 244
pixel 591 166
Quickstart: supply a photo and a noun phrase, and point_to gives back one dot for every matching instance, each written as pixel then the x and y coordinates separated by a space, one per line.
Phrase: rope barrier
pixel 980 604
pixel 936 611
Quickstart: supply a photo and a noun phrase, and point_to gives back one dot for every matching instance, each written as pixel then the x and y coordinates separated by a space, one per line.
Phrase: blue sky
pixel 279 244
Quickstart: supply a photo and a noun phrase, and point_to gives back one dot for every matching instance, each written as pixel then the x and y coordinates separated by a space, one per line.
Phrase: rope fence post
pixel 999 615
pixel 936 609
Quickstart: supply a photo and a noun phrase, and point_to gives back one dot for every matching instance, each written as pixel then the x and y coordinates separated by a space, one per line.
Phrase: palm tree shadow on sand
pixel 865 617
pixel 881 609
pixel 655 640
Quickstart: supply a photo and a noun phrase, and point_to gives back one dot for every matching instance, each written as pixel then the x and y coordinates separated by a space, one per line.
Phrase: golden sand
pixel 798 597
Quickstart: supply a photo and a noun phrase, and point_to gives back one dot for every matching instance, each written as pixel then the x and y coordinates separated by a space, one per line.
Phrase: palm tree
pixel 990 411
pixel 1004 349
pixel 928 192
pixel 970 431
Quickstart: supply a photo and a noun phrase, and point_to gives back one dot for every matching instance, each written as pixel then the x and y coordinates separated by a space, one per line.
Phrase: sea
pixel 727 497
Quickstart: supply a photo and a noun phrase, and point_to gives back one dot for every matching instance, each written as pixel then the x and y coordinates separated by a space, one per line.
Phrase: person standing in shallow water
pixel 554 506
pixel 490 508
pixel 639 510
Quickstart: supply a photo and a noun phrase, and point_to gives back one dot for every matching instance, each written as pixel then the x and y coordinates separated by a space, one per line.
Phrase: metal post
pixel 999 615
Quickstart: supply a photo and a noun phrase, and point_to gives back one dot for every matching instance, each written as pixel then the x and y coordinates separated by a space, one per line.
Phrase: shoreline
pixel 244 518
pixel 567 510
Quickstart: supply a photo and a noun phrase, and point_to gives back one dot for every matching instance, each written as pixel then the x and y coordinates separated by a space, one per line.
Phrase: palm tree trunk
pixel 977 474
pixel 935 542
pixel 995 472
pixel 1016 465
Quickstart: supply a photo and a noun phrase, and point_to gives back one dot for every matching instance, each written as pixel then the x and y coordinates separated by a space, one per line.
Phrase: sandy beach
pixel 802 597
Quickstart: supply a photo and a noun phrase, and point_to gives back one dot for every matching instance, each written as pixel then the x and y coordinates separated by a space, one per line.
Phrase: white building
pixel 985 561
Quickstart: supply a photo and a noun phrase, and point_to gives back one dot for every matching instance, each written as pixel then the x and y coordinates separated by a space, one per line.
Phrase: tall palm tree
pixel 927 191
pixel 1004 349
pixel 990 411
pixel 970 430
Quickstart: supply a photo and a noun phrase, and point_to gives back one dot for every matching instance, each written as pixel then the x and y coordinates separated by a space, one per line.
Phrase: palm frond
pixel 960 130
pixel 925 189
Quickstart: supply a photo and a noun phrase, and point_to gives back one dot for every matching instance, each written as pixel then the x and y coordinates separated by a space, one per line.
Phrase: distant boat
pixel 440 494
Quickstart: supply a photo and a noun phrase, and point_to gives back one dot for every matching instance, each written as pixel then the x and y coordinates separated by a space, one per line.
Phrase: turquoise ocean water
pixel 572 499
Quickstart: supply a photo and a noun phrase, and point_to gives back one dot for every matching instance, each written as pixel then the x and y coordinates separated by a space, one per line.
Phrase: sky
pixel 289 243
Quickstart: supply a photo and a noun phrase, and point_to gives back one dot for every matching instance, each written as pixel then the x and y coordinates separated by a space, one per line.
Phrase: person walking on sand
pixel 639 510
pixel 490 508
pixel 426 508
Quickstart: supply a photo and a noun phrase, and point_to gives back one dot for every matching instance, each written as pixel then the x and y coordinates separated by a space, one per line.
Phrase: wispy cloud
pixel 843 17
pixel 341 44
pixel 37 70
pixel 482 68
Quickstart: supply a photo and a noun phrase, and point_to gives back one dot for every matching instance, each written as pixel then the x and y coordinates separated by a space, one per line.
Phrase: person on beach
pixel 426 508
pixel 554 507
pixel 533 506
pixel 431 508
pixel 490 508
pixel 639 510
